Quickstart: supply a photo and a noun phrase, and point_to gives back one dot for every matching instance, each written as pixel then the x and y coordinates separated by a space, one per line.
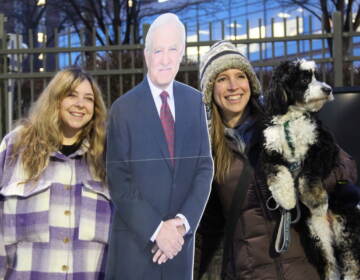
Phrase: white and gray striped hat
pixel 222 56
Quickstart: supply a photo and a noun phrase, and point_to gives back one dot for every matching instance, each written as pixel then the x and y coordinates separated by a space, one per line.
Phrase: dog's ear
pixel 276 102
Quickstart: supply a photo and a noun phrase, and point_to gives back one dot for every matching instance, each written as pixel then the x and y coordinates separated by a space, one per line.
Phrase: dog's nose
pixel 327 90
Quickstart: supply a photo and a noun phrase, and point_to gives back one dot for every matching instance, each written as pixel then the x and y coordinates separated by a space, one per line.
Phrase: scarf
pixel 240 136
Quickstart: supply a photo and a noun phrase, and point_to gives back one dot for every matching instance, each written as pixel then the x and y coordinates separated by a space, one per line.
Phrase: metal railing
pixel 24 72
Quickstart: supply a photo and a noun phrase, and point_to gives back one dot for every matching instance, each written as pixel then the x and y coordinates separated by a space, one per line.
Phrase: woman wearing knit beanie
pixel 236 235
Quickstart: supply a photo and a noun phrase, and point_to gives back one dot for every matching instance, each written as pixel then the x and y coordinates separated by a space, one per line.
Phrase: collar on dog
pixel 288 138
pixel 294 168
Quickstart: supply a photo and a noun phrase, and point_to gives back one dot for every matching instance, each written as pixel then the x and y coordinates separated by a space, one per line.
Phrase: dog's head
pixel 294 84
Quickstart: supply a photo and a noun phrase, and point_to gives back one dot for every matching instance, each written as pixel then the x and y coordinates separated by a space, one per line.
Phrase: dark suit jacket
pixel 146 188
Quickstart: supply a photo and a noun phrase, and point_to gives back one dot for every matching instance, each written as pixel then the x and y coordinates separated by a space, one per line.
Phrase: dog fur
pixel 298 155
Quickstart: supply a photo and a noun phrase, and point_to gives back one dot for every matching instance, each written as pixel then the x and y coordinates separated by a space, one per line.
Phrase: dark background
pixel 342 117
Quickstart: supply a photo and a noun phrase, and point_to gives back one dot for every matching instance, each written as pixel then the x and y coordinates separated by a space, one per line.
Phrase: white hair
pixel 165 19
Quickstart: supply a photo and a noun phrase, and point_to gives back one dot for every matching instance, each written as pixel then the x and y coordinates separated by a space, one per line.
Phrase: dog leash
pixel 283 236
pixel 288 137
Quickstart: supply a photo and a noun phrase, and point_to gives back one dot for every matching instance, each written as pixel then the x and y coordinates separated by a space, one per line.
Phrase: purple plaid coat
pixel 56 228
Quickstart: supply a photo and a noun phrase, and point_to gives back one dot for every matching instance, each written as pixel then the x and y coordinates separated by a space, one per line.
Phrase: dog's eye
pixel 305 80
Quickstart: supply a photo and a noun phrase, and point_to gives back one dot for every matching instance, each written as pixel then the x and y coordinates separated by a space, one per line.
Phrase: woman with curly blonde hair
pixel 54 207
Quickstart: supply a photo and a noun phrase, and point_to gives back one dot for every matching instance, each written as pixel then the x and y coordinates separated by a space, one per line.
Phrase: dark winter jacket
pixel 250 253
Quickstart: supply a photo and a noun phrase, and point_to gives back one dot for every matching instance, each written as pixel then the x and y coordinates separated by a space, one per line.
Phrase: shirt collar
pixel 155 91
pixel 84 147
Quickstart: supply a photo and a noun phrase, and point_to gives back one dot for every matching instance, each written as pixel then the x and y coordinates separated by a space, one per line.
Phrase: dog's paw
pixel 282 187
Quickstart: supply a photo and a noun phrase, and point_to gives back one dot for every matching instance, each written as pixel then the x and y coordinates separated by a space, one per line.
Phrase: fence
pixel 25 70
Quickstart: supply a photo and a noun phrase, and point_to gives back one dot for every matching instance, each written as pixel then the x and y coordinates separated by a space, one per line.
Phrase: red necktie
pixel 167 122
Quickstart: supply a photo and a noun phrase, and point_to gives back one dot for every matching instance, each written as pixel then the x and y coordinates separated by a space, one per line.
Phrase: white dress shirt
pixel 155 92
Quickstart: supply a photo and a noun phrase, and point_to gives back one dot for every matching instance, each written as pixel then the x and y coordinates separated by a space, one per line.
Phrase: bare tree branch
pixel 105 16
pixel 308 5
pixel 348 14
pixel 84 20
pixel 325 13
pixel 357 18
pixel 326 17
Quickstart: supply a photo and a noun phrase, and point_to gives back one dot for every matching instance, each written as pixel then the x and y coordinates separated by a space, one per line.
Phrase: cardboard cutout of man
pixel 159 165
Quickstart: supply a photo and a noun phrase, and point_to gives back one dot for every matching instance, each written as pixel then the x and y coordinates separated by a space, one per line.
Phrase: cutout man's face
pixel 164 56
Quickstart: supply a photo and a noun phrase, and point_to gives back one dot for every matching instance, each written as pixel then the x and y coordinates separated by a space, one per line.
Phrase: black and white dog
pixel 298 155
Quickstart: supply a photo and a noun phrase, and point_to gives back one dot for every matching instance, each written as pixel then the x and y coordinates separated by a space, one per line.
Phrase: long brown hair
pixel 41 133
pixel 221 151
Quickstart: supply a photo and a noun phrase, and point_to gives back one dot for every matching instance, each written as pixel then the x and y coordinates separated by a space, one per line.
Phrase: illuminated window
pixel 283 15
pixel 41 37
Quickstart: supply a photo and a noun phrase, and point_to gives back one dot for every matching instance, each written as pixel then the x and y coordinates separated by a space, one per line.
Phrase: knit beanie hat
pixel 222 56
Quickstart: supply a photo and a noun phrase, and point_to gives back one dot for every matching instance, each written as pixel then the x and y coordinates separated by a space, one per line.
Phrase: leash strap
pixel 283 236
pixel 282 241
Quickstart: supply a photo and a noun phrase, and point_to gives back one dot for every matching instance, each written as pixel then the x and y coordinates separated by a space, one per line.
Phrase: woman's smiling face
pixel 77 109
pixel 232 94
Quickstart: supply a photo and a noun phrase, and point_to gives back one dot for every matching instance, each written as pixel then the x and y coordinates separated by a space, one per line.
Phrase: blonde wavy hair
pixel 41 132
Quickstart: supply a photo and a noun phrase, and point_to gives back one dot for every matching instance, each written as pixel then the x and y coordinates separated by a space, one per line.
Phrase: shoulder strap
pixel 236 206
